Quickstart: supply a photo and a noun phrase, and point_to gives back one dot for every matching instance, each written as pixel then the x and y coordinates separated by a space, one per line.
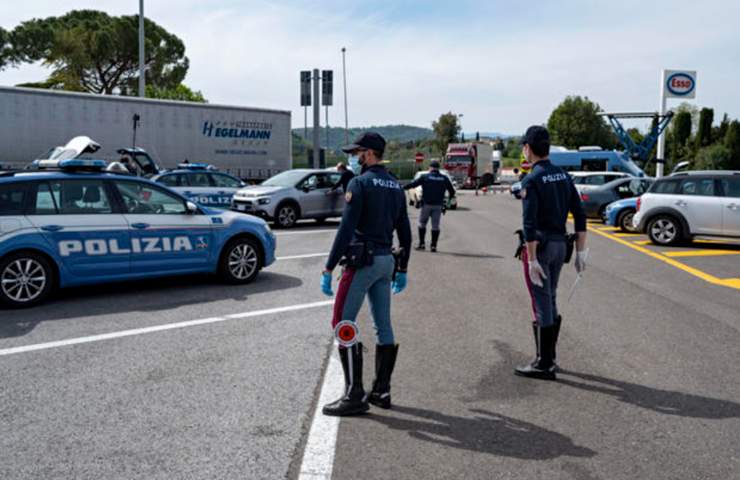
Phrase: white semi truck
pixel 471 164
pixel 251 143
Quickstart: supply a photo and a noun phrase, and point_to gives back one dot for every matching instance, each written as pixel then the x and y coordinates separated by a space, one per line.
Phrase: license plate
pixel 241 208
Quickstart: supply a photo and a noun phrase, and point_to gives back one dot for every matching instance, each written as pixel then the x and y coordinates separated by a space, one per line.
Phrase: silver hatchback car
pixel 293 195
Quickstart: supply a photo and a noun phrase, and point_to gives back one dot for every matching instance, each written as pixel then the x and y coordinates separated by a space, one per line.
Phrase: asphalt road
pixel 650 350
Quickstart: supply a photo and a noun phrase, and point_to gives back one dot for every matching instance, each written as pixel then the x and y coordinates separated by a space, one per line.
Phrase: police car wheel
pixel 286 216
pixel 26 279
pixel 664 230
pixel 241 261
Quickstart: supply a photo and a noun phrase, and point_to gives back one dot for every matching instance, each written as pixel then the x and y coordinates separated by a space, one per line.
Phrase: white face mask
pixel 354 163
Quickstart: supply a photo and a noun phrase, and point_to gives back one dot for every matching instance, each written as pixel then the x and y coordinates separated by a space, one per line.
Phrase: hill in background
pixel 397 133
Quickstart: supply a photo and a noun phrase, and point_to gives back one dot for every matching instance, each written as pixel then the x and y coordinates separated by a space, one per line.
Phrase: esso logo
pixel 680 84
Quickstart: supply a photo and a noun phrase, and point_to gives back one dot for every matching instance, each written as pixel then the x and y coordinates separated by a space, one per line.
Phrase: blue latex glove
pixel 399 284
pixel 326 284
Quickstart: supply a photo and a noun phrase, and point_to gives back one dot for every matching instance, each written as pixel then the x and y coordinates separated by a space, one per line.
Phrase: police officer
pixel 375 208
pixel 343 182
pixel 548 194
pixel 433 188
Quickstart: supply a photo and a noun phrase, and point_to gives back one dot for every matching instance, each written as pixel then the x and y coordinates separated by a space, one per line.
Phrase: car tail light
pixel 584 197
pixel 639 202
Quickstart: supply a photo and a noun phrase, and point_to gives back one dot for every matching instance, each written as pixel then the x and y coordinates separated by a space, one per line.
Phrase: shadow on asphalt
pixel 142 296
pixel 467 255
pixel 487 432
pixel 662 401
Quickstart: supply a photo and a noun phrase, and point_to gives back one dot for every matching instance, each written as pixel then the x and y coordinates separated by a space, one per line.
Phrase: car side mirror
pixel 191 208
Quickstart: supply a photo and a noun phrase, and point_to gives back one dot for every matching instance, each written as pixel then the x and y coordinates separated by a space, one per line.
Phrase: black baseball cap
pixel 536 135
pixel 368 141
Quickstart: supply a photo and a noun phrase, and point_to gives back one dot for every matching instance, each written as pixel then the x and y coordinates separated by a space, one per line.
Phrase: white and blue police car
pixel 202 184
pixel 72 223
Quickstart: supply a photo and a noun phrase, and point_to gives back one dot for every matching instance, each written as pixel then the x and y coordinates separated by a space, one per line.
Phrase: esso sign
pixel 680 84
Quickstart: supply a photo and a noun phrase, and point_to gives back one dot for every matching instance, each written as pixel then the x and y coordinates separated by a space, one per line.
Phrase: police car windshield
pixel 285 179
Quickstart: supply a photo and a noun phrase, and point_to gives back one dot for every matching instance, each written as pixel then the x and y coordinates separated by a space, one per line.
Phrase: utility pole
pixel 142 79
pixel 344 76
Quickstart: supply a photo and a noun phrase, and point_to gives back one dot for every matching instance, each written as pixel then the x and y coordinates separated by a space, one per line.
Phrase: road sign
pixel 327 87
pixel 305 88
pixel 679 83
pixel 419 157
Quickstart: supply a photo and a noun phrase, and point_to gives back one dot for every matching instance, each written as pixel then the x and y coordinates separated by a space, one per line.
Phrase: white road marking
pixel 303 232
pixel 161 328
pixel 318 457
pixel 307 255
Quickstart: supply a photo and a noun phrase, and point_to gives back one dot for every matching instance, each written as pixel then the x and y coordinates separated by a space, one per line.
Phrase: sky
pixel 503 65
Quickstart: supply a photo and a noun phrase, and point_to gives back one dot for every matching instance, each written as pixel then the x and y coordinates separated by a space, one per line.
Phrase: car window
pixel 322 181
pixel 221 180
pixel 199 180
pixel 697 186
pixel 45 203
pixel 12 198
pixel 311 182
pixel 638 187
pixel 594 180
pixel 143 198
pixel 81 197
pixel 731 187
pixel 665 187
pixel 174 180
pixel 334 178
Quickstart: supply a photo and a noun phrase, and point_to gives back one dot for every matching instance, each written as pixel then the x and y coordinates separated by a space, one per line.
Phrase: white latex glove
pixel 580 262
pixel 536 274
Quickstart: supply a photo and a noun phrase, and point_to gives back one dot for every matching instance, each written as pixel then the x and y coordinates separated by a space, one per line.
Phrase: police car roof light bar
pixel 72 164
pixel 196 166
pixel 639 152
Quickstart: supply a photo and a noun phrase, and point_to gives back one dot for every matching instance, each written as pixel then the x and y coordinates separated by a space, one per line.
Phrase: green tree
pixel 704 131
pixel 577 122
pixel 732 142
pixel 446 130
pixel 180 92
pixel 5 49
pixel 719 132
pixel 90 51
pixel 680 133
pixel 714 157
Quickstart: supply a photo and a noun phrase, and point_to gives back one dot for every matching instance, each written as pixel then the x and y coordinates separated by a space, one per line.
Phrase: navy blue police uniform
pixel 548 195
pixel 433 185
pixel 375 209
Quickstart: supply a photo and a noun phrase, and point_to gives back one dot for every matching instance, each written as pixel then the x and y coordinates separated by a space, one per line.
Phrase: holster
pixel 570 244
pixel 522 244
pixel 397 255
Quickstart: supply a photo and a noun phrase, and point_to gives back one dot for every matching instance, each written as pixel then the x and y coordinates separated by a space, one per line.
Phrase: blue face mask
pixel 354 163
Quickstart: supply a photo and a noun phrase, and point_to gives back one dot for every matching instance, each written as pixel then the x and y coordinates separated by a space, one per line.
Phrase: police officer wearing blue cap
pixel 375 208
pixel 548 194
pixel 433 188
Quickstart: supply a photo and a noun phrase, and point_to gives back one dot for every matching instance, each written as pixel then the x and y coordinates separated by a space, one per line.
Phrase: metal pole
pixel 659 162
pixel 316 120
pixel 344 76
pixel 305 123
pixel 327 127
pixel 142 81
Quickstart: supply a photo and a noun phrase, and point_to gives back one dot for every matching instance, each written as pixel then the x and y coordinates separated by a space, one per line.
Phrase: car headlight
pixel 263 201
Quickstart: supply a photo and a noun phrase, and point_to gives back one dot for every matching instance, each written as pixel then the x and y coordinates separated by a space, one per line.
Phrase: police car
pixel 202 184
pixel 71 223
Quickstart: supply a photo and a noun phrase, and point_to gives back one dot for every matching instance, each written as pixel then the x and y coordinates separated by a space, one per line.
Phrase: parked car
pixel 685 204
pixel 620 214
pixel 293 195
pixel 596 198
pixel 414 195
pixel 595 179
pixel 202 184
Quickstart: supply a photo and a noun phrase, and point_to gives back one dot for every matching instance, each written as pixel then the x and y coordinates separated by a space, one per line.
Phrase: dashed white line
pixel 160 328
pixel 318 457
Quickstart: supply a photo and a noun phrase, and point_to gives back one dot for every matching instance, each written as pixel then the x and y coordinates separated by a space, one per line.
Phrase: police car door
pixel 165 237
pixel 225 188
pixel 78 220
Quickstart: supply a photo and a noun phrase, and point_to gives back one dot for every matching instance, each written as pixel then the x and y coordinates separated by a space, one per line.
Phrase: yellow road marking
pixel 730 282
pixel 702 253
pixel 642 242
pixel 627 234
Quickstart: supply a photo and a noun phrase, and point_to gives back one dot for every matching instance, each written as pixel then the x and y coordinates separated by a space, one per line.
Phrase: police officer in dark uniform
pixel 375 208
pixel 433 188
pixel 548 194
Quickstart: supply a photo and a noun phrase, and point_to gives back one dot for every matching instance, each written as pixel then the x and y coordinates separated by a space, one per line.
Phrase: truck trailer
pixel 251 143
